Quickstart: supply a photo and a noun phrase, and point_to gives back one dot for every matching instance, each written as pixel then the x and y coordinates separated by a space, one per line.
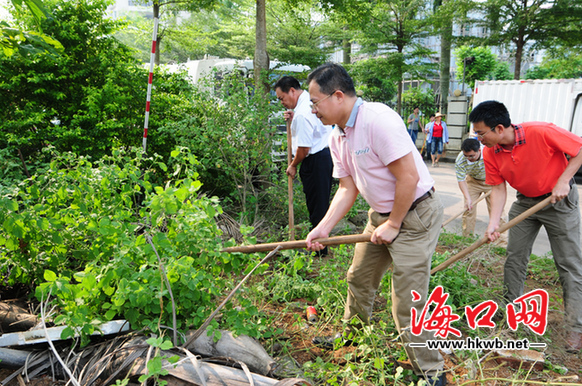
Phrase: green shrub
pixel 90 236
pixel 230 134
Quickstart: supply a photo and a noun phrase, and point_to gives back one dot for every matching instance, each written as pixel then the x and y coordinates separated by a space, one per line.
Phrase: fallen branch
pixel 52 346
pixel 165 279
pixel 14 318
pixel 485 239
pixel 514 381
pixel 202 328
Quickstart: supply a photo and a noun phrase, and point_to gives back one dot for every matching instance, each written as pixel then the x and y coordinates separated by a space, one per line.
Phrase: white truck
pixel 558 101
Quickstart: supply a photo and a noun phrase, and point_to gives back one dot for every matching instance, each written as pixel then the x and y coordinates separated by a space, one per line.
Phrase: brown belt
pixel 416 202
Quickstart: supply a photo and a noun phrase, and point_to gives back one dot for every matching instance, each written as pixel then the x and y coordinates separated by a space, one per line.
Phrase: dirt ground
pixel 561 367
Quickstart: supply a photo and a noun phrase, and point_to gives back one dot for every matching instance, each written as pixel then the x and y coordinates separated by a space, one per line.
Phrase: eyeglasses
pixel 480 136
pixel 314 105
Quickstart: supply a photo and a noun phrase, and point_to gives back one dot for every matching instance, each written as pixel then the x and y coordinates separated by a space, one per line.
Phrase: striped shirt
pixel 464 167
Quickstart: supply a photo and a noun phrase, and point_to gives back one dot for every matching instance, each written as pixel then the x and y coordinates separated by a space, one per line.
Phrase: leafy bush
pixel 90 98
pixel 559 64
pixel 484 65
pixel 376 78
pixel 94 233
pixel 230 134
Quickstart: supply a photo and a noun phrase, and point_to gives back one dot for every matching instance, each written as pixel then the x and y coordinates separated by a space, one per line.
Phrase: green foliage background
pixel 89 236
pixel 485 65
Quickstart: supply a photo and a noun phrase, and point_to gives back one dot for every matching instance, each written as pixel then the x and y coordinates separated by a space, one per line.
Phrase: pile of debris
pixel 122 354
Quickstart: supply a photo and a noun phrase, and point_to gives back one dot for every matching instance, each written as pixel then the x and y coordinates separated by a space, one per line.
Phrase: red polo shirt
pixel 536 161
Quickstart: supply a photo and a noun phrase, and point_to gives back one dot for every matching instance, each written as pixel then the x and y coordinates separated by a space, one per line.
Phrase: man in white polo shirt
pixel 374 156
pixel 309 147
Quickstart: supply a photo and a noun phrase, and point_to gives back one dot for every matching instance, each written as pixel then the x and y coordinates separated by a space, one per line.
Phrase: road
pixel 452 198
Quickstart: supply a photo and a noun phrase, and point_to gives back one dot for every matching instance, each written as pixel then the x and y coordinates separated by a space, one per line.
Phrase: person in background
pixel 373 156
pixel 531 157
pixel 309 148
pixel 414 123
pixel 426 146
pixel 438 136
pixel 470 171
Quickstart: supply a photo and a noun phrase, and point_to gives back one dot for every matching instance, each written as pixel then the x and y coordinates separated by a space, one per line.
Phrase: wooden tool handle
pixel 290 183
pixel 336 240
pixel 464 210
pixel 484 239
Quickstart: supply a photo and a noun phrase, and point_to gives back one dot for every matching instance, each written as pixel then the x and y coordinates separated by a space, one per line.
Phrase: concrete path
pixel 452 198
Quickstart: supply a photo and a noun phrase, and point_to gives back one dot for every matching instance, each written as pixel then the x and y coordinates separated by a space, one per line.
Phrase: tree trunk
pixel 445 65
pixel 399 97
pixel 518 55
pixel 347 49
pixel 261 60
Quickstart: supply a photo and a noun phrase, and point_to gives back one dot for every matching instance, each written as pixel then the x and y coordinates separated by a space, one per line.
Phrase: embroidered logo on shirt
pixel 362 151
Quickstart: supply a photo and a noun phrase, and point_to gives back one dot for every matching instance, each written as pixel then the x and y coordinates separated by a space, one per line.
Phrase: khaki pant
pixel 562 223
pixel 476 188
pixel 410 256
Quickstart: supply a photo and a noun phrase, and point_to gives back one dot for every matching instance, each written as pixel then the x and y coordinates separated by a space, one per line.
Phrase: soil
pixel 560 367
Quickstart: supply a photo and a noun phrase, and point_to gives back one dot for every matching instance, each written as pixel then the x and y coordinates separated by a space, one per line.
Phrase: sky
pixel 3 12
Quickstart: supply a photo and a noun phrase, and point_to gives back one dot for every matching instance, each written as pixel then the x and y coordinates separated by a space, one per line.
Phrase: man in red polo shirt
pixel 531 157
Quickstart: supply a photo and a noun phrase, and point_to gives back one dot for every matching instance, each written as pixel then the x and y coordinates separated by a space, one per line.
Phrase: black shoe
pixel 441 380
pixel 332 341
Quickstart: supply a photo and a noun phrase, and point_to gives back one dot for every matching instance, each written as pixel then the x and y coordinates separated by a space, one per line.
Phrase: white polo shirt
pixel 306 129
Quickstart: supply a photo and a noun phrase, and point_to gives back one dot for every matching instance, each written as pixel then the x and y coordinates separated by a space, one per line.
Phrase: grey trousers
pixel 562 223
pixel 410 257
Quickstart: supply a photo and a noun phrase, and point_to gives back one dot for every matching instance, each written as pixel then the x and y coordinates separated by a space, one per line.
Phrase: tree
pixel 375 78
pixel 445 27
pixel 31 41
pixel 166 12
pixel 541 23
pixel 261 59
pixel 502 72
pixel 85 100
pixel 482 66
pixel 392 29
pixel 224 31
pixel 560 64
pixel 297 35
pixel 444 13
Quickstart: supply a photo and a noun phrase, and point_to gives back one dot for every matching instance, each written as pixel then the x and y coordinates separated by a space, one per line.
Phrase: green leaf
pixel 173 359
pixel 166 345
pixel 12 205
pixel 155 342
pixel 299 263
pixel 379 363
pixel 68 332
pixel 182 194
pixel 49 275
pixel 109 315
pixel 155 365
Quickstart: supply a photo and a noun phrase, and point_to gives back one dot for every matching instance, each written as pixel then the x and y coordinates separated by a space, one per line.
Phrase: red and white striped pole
pixel 151 77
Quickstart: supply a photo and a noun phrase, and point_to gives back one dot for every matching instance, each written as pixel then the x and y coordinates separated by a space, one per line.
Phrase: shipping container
pixel 558 101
